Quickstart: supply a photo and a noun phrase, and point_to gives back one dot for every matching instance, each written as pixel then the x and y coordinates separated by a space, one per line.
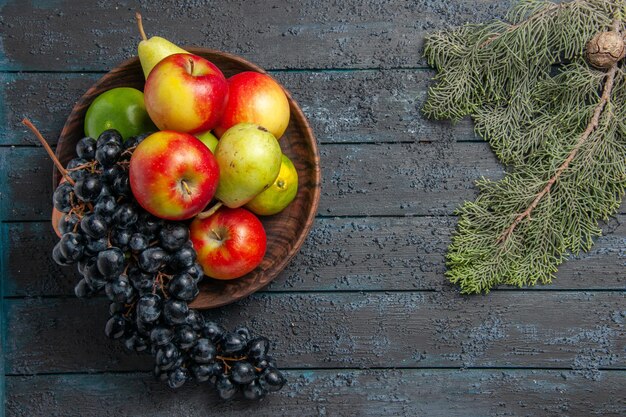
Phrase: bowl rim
pixel 316 178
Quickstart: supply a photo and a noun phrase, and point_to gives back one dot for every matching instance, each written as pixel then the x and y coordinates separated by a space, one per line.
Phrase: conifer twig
pixel 591 126
pixel 511 28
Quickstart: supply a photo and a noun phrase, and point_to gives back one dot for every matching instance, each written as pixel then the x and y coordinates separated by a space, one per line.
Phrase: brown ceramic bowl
pixel 286 231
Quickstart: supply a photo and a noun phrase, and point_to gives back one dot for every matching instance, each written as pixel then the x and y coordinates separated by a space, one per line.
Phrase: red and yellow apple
pixel 230 243
pixel 185 93
pixel 255 98
pixel 173 175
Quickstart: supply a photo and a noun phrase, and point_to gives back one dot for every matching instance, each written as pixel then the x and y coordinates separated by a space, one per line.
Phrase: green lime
pixel 278 195
pixel 120 108
pixel 208 139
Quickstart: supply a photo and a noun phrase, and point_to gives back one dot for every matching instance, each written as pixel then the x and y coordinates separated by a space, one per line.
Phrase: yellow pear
pixel 280 194
pixel 152 51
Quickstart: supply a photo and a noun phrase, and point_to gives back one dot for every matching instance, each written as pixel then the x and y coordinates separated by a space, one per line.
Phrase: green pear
pixel 249 158
pixel 152 51
pixel 208 139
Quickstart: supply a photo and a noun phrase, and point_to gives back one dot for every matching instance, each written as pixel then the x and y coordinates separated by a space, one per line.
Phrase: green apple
pixel 120 108
pixel 249 158
pixel 208 139
pixel 282 192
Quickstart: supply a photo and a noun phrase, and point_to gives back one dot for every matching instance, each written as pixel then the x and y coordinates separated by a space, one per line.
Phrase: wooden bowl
pixel 286 231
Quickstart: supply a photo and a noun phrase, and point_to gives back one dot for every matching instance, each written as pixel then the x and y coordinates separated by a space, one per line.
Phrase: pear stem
pixel 48 149
pixel 210 211
pixel 140 25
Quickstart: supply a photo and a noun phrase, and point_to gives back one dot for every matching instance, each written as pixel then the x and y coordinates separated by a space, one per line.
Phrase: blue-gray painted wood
pixel 375 393
pixel 78 35
pixel 357 179
pixel 332 101
pixel 408 317
pixel 340 254
pixel 543 329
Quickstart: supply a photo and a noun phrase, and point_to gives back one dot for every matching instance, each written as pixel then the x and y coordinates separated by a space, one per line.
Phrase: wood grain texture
pixel 342 106
pixel 357 180
pixel 375 393
pixel 367 179
pixel 353 330
pixel 320 335
pixel 395 253
pixel 77 35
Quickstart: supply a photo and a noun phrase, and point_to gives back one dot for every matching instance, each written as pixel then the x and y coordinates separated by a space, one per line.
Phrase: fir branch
pixel 471 75
pixel 560 124
pixel 593 124
pixel 549 8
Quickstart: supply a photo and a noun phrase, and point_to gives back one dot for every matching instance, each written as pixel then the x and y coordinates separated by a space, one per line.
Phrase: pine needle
pixel 557 122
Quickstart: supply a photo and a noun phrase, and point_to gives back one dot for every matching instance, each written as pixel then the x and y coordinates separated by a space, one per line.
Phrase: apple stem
pixel 190 66
pixel 210 211
pixel 48 149
pixel 186 187
pixel 140 25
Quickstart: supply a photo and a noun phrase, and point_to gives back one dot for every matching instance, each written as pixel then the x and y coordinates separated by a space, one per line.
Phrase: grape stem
pixel 83 166
pixel 140 26
pixel 129 308
pixel 224 358
pixel 129 151
pixel 48 149
pixel 159 280
pixel 210 211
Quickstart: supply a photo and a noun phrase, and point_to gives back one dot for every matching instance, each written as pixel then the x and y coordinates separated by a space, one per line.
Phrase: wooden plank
pixel 397 253
pixel 353 330
pixel 46 99
pixel 78 35
pixel 357 180
pixel 366 179
pixel 361 106
pixel 442 392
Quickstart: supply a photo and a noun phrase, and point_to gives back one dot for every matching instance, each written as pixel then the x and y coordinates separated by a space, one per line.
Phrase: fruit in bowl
pixel 152 51
pixel 285 231
pixel 120 108
pixel 230 243
pixel 185 93
pixel 173 175
pixel 110 210
pixel 208 139
pixel 280 194
pixel 255 98
pixel 249 159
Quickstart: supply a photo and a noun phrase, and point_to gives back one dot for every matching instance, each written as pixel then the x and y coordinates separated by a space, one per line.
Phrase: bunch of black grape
pixel 147 268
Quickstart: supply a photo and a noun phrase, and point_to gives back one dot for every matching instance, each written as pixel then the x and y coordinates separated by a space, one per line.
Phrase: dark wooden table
pixel 363 320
